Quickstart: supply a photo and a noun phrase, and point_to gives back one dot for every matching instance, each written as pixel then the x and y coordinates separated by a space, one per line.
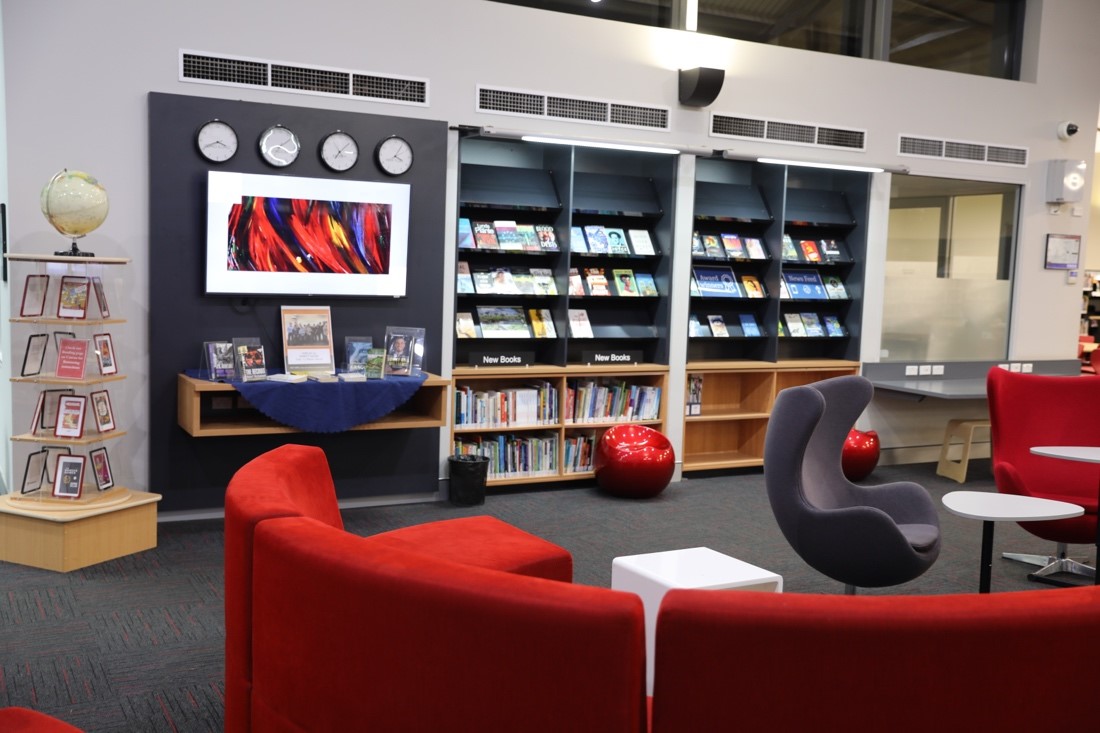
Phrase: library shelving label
pixel 502 358
pixel 617 356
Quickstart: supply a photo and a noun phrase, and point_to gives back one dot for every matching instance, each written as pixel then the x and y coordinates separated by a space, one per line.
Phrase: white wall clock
pixel 217 141
pixel 279 146
pixel 339 151
pixel 394 155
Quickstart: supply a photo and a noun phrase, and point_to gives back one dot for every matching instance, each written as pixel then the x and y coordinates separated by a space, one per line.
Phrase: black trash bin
pixel 468 475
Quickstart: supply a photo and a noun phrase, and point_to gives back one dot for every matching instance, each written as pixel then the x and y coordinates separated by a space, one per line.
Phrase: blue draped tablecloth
pixel 325 407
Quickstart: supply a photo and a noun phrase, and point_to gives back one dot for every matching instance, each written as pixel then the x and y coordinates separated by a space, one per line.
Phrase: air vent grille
pixel 578 109
pixel 783 131
pixel 957 150
pixel 300 79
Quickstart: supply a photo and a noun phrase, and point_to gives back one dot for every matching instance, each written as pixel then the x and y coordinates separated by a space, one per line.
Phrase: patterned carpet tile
pixel 27 604
pixel 157 627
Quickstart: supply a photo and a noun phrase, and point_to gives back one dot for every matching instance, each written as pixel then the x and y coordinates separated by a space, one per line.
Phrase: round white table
pixel 992 507
pixel 1083 454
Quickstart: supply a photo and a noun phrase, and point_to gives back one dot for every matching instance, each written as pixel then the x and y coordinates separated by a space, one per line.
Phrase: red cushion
pixel 23 720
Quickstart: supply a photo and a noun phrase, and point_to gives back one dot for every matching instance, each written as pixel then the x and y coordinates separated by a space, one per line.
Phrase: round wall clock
pixel 217 141
pixel 339 151
pixel 279 146
pixel 394 155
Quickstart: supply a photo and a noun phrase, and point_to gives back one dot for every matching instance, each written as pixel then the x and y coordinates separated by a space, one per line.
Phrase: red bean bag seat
pixel 634 461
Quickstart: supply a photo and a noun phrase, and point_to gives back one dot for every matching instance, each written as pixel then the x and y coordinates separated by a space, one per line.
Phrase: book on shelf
pixel 464 325
pixel 698 249
pixel 794 324
pixel 596 237
pixel 596 280
pixel 832 250
pixel 485 237
pixel 576 283
pixel 693 286
pixel 502 282
pixel 697 328
pixel 834 288
pixel 502 321
pixel 483 282
pixel 544 281
pixel 524 280
pixel 752 286
pixel 625 284
pixel 833 326
pixel 250 360
pixel 376 363
pixel 647 286
pixel 790 252
pixel 508 237
pixel 352 377
pixel 542 323
pixel 577 242
pixel 529 237
pixel 616 241
pixel 812 324
pixel 712 246
pixel 464 278
pixel 749 326
pixel 548 239
pixel 784 291
pixel 641 242
pixel 755 248
pixel 781 329
pixel 694 403
pixel 716 282
pixel 465 234
pixel 735 248
pixel 290 378
pixel 718 326
pixel 809 250
pixel 579 325
pixel 319 377
pixel 805 285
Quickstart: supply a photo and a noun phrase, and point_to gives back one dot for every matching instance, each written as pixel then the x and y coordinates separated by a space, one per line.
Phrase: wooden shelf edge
pixel 24 257
pixel 90 439
pixel 86 382
pixel 724 416
pixel 716 462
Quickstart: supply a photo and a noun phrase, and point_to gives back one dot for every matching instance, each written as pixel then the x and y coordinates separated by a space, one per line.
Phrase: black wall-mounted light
pixel 699 87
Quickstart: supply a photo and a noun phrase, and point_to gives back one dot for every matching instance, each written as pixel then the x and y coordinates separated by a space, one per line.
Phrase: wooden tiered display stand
pixel 63 534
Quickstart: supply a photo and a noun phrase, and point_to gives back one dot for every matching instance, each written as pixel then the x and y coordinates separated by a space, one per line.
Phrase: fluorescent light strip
pixel 607 146
pixel 833 166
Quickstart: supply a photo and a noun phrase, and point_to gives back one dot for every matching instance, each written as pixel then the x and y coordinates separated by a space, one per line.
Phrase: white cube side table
pixel 655 573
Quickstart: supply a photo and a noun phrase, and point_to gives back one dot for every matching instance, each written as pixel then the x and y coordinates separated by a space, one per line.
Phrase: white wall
pixel 79 75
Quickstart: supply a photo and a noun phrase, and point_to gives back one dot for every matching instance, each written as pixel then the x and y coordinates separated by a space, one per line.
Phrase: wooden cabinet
pixel 541 424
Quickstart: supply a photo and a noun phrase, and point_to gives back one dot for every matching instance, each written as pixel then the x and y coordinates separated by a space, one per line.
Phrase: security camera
pixel 1066 130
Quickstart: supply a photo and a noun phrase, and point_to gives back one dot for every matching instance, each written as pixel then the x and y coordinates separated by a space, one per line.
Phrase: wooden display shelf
pixel 426 409
pixel 69 534
pixel 87 439
pixel 66 259
pixel 86 382
pixel 83 322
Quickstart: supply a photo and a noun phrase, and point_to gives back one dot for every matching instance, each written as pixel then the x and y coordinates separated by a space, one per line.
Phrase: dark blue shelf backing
pixel 607 193
pixel 829 208
pixel 730 201
pixel 503 187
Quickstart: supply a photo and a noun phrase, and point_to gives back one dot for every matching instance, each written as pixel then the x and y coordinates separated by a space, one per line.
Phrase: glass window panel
pixel 948 258
pixel 968 36
pixel 831 26
pixel 642 12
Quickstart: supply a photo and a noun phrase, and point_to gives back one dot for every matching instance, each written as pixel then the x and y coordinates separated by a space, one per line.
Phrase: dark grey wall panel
pixel 191 473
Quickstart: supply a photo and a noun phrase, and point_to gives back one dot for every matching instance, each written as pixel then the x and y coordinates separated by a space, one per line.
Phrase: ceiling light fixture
pixel 831 166
pixel 600 144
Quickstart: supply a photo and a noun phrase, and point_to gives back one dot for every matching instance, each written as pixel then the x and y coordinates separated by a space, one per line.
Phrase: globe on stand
pixel 75 204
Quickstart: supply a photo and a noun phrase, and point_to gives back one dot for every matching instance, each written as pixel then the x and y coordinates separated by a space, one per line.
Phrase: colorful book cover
pixel 576 284
pixel 698 249
pixel 781 329
pixel 790 252
pixel 544 281
pixel 579 325
pixel 718 326
pixel 502 321
pixel 625 284
pixel 503 283
pixel 485 237
pixel 735 249
pixel 794 323
pixel 641 242
pixel 483 282
pixel 542 323
pixel 694 403
pixel 464 326
pixel 696 328
pixel 748 325
pixel 805 285
pixel 616 242
pixel 812 324
pixel 713 246
pixel 597 281
pixel 647 286
pixel 755 248
pixel 465 234
pixel 508 237
pixel 716 282
pixel 464 279
pixel 752 286
pixel 832 251
pixel 548 240
pixel 525 281
pixel 809 249
pixel 834 288
pixel 833 326
pixel 529 238
pixel 597 239
pixel 576 240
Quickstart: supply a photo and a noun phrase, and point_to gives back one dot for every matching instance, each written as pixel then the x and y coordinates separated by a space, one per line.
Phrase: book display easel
pixel 69 509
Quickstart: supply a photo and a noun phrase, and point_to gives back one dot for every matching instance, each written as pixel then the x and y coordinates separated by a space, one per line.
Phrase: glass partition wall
pixel 948 269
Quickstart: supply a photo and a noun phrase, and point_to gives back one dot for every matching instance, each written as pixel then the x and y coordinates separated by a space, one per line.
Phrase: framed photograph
pixel 53 452
pixel 307 340
pixel 219 359
pixel 70 416
pixel 258 227
pixel 100 297
pixel 34 355
pixel 68 476
pixel 101 469
pixel 33 473
pixel 105 353
pixel 101 411
pixel 34 296
pixel 355 352
pixel 50 398
pixel 72 358
pixel 72 299
pixel 404 351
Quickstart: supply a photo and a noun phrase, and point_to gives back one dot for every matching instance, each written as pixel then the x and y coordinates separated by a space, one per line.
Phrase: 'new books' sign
pixel 501 358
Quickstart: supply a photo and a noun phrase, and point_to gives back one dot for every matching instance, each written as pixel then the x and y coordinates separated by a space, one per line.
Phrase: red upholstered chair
pixel 356 635
pixel 810 662
pixel 295 481
pixel 634 461
pixel 24 720
pixel 1028 410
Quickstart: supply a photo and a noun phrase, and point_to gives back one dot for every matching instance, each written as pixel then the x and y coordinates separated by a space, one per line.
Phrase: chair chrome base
pixel 1051 565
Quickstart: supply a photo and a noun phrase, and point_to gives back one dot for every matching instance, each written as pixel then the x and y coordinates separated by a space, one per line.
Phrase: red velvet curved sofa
pixel 463 624
pixel 25 720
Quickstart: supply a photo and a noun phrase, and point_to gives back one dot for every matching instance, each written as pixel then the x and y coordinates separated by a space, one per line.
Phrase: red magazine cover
pixel 809 248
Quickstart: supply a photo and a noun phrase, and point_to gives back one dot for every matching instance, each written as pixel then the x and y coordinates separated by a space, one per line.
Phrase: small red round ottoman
pixel 860 454
pixel 634 461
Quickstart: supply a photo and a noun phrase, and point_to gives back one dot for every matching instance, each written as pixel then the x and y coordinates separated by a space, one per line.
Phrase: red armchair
pixel 24 720
pixel 1027 410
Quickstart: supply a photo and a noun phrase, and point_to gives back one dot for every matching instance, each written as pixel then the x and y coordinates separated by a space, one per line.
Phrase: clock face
pixel 279 146
pixel 217 141
pixel 394 155
pixel 339 151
